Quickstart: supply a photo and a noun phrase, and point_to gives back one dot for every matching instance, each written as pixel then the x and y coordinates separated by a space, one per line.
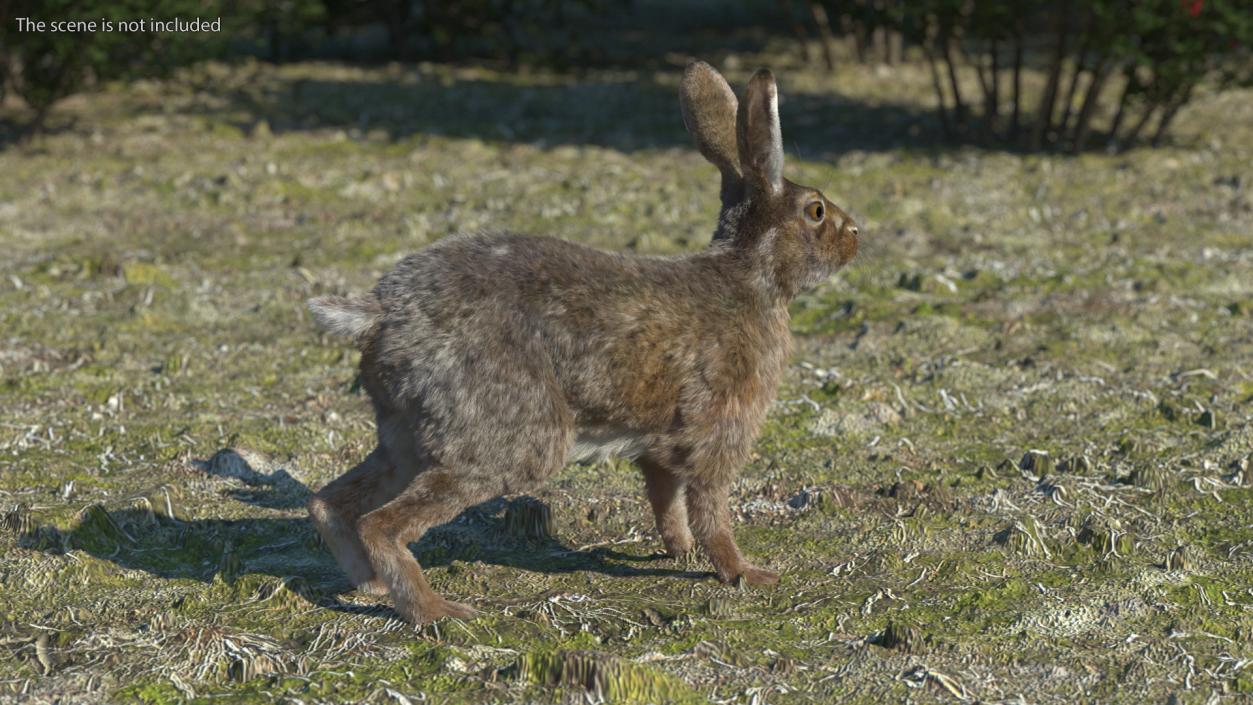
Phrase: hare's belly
pixel 596 443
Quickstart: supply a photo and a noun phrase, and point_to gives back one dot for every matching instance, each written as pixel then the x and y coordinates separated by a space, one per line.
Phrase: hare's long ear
pixel 758 134
pixel 709 105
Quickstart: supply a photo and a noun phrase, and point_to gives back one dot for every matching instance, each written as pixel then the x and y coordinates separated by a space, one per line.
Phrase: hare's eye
pixel 815 211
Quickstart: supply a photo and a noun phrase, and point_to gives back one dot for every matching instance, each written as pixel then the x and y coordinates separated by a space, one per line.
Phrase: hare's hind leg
pixel 434 497
pixel 336 508
pixel 495 422
pixel 438 494
pixel 526 450
pixel 665 494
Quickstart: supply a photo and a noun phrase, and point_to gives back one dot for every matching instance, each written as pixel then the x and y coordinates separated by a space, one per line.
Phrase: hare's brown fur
pixel 493 360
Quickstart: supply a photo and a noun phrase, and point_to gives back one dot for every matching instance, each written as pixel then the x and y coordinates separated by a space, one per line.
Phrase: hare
pixel 494 360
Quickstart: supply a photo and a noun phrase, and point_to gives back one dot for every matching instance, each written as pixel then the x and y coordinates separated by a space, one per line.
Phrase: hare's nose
pixel 853 231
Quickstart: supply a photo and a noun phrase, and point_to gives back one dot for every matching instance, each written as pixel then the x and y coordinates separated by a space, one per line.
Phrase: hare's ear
pixel 760 140
pixel 709 105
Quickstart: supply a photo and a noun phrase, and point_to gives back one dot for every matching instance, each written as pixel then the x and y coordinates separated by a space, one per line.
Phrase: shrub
pixel 44 67
pixel 1142 57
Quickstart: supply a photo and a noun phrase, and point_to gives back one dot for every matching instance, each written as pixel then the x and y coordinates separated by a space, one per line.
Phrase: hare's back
pixel 495 275
pixel 483 303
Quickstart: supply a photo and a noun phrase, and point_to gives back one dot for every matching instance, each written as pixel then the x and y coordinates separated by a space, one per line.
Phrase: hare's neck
pixel 767 342
pixel 776 335
pixel 764 321
pixel 754 270
pixel 730 217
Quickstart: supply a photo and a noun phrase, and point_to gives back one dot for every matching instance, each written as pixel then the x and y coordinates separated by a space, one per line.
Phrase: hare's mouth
pixel 847 246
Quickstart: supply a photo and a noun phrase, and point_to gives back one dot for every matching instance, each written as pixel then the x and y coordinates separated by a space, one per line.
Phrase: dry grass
pixel 1095 311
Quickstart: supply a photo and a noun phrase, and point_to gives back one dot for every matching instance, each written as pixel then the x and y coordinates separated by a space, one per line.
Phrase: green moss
pixel 602 677
pixel 146 274
pixel 134 352
pixel 151 693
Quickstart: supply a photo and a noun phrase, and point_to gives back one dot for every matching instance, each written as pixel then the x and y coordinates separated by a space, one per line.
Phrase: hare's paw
pixel 448 608
pixel 432 610
pixel 373 586
pixel 678 546
pixel 752 575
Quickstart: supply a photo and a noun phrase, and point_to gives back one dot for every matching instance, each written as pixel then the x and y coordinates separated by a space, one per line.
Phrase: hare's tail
pixel 352 318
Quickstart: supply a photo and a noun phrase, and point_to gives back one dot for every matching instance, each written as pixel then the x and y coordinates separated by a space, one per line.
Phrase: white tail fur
pixel 351 318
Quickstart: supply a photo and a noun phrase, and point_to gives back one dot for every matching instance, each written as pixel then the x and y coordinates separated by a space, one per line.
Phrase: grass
pixel 166 404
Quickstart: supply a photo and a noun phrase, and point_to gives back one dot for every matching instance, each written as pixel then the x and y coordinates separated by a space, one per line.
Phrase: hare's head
pixel 792 233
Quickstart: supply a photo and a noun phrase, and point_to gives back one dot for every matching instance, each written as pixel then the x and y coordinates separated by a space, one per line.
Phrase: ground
pixel 1010 462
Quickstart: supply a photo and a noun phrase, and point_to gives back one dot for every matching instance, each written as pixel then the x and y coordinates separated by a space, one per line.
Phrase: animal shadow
pixel 148 532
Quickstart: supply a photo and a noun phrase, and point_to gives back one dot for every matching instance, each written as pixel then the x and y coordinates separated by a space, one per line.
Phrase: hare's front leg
pixel 665 494
pixel 710 519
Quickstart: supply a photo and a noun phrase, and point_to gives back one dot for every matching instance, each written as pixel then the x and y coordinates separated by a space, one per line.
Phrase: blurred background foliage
pixel 1134 63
